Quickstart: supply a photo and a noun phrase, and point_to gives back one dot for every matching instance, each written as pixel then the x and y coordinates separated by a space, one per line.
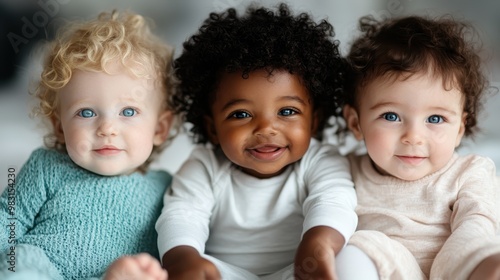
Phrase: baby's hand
pixel 137 267
pixel 185 263
pixel 488 269
pixel 315 257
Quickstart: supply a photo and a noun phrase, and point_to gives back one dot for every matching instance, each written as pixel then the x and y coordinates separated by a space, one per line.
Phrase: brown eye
pixel 287 112
pixel 239 115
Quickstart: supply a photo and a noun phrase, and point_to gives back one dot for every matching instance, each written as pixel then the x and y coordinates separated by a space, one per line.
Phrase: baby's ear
pixel 57 128
pixel 461 130
pixel 352 120
pixel 163 126
pixel 211 131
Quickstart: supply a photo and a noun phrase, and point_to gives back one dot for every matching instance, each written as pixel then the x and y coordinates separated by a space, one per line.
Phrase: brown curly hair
pixel 401 47
pixel 93 46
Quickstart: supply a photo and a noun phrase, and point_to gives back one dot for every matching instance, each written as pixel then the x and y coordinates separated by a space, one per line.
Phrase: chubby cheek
pixel 442 138
pixel 376 139
pixel 299 139
pixel 140 144
pixel 77 141
pixel 442 149
pixel 377 154
pixel 78 150
pixel 380 146
pixel 232 143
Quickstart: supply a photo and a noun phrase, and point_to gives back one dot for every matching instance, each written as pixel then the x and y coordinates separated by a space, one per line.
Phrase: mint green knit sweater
pixel 82 221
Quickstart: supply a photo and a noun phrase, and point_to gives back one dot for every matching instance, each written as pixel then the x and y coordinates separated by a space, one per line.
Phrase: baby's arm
pixel 316 253
pixel 137 267
pixel 184 262
pixel 22 200
pixel 473 244
pixel 183 226
pixel 329 211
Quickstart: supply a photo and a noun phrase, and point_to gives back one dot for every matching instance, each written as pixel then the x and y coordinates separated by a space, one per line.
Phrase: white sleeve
pixel 331 199
pixel 187 205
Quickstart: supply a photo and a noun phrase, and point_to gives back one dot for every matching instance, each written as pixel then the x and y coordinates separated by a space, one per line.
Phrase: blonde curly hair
pixel 93 46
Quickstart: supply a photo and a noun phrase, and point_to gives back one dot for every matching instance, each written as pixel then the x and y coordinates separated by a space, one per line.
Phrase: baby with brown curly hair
pixel 416 86
pixel 86 205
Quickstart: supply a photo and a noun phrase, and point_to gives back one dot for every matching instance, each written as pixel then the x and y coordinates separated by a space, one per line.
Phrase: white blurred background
pixel 26 23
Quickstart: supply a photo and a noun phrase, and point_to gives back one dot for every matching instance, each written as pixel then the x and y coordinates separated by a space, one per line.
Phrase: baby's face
pixel 110 123
pixel 262 123
pixel 410 127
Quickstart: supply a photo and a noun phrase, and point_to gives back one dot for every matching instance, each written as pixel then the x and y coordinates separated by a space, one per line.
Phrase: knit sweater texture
pixel 438 227
pixel 81 220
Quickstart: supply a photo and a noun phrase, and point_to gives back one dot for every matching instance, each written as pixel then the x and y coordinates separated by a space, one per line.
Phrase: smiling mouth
pixel 267 152
pixel 413 160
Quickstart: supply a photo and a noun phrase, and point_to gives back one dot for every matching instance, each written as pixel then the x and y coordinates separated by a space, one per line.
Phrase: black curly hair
pixel 260 39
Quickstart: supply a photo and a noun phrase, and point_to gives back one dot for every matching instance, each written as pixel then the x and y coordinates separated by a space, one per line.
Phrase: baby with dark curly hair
pixel 424 211
pixel 259 196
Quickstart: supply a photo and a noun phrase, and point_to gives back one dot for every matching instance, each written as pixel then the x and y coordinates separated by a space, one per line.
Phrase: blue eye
pixel 435 119
pixel 239 115
pixel 287 112
pixel 128 112
pixel 392 117
pixel 86 113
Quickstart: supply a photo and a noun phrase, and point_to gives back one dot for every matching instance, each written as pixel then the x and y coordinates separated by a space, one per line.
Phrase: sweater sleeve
pixel 473 223
pixel 331 198
pixel 22 199
pixel 187 205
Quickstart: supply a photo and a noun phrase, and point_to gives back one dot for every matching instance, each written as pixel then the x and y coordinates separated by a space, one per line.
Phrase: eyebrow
pixel 446 110
pixel 384 104
pixel 242 100
pixel 439 108
pixel 294 98
pixel 233 102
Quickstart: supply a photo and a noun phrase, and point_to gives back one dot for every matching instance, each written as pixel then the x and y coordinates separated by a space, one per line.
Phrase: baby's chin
pixel 403 173
pixel 108 170
pixel 111 173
